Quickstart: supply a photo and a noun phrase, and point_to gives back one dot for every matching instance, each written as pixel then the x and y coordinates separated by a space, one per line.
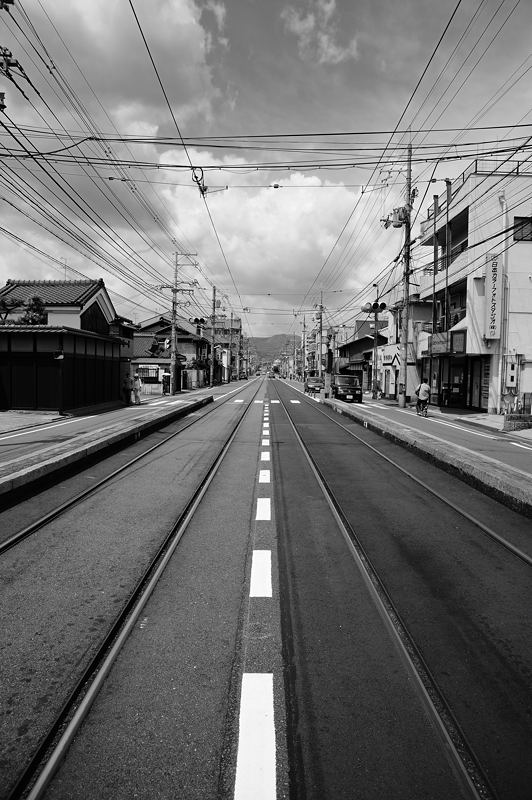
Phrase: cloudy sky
pixel 252 138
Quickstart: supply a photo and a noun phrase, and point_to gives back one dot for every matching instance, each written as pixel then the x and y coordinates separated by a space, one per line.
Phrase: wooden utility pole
pixel 403 364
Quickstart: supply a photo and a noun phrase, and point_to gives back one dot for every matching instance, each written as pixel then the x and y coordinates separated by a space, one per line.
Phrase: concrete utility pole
pixel 230 349
pixel 448 183
pixel 304 365
pixel 403 365
pixel 211 377
pixel 320 366
pixel 175 287
pixel 173 342
pixel 432 382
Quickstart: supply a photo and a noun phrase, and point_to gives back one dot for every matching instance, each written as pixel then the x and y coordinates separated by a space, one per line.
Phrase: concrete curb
pixel 64 456
pixel 508 485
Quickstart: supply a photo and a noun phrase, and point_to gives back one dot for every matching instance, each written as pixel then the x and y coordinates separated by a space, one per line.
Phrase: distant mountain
pixel 270 347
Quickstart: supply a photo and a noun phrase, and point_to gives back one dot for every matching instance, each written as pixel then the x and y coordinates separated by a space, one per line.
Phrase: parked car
pixel 313 385
pixel 347 388
pixel 243 376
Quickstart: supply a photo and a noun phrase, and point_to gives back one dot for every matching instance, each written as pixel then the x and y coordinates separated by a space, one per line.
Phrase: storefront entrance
pixel 454 382
pixel 463 382
pixel 458 382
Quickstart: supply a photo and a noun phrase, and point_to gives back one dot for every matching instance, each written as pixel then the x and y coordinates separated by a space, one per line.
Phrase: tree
pixel 35 313
pixel 8 307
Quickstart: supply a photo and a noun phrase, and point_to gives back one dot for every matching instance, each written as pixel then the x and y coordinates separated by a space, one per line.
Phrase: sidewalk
pixel 493 422
pixel 15 420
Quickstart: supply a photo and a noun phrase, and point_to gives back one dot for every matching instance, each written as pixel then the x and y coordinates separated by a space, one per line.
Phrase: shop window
pixel 522 229
pixel 148 373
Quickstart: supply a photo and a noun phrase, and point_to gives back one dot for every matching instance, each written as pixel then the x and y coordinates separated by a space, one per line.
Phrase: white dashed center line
pixel 255 766
pixel 261 574
pixel 265 456
pixel 264 510
pixel 264 476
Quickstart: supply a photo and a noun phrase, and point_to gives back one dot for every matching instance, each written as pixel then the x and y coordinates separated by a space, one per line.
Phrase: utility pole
pixel 320 366
pixel 173 341
pixel 211 381
pixel 175 287
pixel 230 350
pixel 375 380
pixel 304 365
pixel 447 251
pixel 403 365
pixel 435 211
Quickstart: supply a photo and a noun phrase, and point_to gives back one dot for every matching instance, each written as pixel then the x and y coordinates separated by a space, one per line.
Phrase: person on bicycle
pixel 423 397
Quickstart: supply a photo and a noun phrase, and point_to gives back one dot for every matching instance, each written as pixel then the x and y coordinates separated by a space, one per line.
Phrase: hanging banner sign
pixel 492 321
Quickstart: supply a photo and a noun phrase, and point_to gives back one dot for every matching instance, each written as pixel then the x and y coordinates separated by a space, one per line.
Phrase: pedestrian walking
pixel 127 386
pixel 137 386
pixel 423 396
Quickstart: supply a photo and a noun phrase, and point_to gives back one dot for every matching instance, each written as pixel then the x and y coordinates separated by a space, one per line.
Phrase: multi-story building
pixel 227 346
pixel 477 345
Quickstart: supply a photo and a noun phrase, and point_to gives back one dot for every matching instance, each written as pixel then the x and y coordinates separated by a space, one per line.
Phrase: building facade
pixel 477 348
pixel 71 356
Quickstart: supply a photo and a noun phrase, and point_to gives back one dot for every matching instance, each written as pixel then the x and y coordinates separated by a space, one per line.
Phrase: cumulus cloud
pixel 317 33
pixel 219 11
pixel 269 235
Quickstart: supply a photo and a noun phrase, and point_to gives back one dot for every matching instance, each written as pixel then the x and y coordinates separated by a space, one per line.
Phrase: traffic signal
pixel 199 322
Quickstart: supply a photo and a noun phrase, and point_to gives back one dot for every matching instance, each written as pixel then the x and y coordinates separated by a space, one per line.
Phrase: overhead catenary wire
pixel 193 169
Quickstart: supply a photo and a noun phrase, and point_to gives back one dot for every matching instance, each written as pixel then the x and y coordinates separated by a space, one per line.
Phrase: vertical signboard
pixel 492 321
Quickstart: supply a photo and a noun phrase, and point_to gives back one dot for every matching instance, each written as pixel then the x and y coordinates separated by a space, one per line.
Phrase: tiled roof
pixel 50 329
pixel 52 293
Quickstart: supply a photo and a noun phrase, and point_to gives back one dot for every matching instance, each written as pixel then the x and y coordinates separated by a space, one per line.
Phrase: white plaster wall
pixel 64 317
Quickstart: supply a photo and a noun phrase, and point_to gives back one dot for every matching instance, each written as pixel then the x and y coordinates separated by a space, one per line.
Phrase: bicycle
pixel 421 408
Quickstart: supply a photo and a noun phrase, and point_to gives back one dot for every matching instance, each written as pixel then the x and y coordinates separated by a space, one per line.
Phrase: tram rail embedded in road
pixel 43 763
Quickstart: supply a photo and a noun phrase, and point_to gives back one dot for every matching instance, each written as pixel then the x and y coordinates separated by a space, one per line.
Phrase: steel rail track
pixel 522 556
pixel 29 530
pixel 466 764
pixel 38 773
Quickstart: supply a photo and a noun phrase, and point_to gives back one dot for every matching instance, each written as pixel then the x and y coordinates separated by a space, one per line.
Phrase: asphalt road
pixel 462 598
pixel 349 719
pixel 60 590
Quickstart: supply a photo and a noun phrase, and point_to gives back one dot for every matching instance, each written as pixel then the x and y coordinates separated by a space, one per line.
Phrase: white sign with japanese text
pixel 492 321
